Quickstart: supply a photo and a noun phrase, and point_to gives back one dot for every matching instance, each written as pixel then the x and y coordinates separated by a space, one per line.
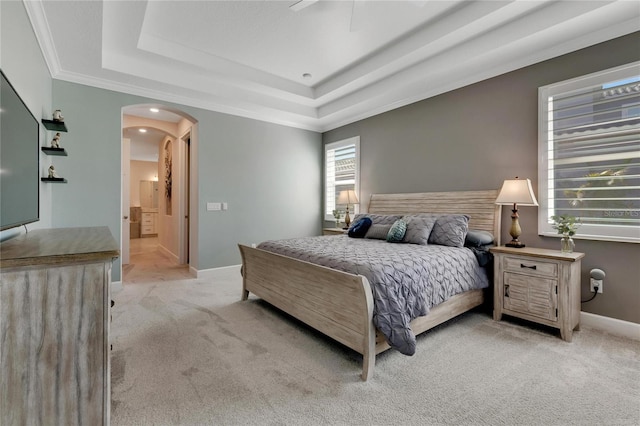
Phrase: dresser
pixel 54 327
pixel 149 223
pixel 538 285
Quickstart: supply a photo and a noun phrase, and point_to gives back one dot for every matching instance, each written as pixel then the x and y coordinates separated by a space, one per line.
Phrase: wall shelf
pixel 54 151
pixel 53 180
pixel 56 126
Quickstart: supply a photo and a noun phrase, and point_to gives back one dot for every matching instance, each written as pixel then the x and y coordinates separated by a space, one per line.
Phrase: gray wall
pixel 22 62
pixel 269 175
pixel 479 135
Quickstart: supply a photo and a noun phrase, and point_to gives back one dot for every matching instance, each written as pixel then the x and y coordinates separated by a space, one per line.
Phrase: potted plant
pixel 336 215
pixel 566 225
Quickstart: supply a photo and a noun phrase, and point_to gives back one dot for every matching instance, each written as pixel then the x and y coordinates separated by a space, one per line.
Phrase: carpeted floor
pixel 188 352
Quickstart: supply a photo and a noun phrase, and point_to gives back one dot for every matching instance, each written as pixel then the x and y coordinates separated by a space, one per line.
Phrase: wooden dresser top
pixel 58 246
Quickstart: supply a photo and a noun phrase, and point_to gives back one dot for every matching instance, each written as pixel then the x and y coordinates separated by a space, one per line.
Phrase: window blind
pixel 340 173
pixel 593 156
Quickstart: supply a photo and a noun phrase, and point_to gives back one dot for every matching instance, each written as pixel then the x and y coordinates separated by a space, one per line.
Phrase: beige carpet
pixel 188 352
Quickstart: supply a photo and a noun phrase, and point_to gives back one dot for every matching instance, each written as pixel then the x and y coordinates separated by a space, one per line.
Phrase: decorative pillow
pixel 397 231
pixel 378 231
pixel 450 230
pixel 359 228
pixel 477 238
pixel 379 219
pixel 418 229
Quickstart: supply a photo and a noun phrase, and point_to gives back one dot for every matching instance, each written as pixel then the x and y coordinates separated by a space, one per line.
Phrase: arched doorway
pixel 171 135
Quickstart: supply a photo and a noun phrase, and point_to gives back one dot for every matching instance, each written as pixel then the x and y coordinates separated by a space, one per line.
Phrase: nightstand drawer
pixel 532 267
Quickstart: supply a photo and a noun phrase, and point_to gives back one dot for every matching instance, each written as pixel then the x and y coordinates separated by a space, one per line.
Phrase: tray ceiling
pixel 323 66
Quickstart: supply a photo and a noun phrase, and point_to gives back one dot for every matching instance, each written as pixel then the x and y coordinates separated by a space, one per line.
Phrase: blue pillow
pixel 359 228
pixel 397 231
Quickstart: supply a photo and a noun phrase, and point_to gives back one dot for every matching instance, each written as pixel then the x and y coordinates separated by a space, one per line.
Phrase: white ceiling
pixel 364 57
pixel 144 146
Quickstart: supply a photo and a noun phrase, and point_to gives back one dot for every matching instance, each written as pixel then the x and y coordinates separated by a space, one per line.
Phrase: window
pixel 342 171
pixel 589 154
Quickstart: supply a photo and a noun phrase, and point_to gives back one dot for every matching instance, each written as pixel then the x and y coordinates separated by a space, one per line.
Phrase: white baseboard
pixel 116 286
pixel 193 271
pixel 213 272
pixel 168 253
pixel 618 327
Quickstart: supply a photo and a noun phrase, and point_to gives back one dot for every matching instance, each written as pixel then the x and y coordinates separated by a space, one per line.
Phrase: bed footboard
pixel 333 302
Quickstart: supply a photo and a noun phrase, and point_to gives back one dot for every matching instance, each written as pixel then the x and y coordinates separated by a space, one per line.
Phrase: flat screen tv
pixel 19 160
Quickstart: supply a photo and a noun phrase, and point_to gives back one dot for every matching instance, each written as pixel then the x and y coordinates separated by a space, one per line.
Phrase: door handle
pixel 506 291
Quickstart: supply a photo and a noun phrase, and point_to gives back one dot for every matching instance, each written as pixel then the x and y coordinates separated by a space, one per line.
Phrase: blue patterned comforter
pixel 406 279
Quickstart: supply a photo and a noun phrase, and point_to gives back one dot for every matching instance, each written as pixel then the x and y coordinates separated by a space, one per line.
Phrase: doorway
pixel 165 224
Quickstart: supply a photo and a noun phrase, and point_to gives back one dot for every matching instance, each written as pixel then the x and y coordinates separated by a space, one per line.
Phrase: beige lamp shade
pixel 348 197
pixel 517 191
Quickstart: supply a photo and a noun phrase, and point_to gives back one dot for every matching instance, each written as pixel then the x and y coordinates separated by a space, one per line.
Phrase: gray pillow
pixel 379 219
pixel 418 229
pixel 378 231
pixel 450 230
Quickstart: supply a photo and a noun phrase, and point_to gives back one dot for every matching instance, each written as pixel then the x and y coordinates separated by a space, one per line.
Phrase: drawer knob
pixel 522 265
pixel 506 291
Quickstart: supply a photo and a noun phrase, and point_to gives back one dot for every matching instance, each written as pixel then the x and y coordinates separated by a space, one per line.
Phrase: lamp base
pixel 515 244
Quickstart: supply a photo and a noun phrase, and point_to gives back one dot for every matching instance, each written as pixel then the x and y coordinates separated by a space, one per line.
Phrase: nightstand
pixel 538 285
pixel 333 231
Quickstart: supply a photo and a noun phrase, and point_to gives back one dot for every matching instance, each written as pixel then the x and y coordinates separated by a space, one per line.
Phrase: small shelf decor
pixel 55 126
pixel 54 151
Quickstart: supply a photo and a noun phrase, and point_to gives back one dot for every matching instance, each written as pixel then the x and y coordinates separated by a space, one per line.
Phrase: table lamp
pixel 516 191
pixel 348 197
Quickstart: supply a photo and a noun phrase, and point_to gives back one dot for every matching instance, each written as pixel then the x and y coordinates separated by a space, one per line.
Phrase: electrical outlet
pixel 595 283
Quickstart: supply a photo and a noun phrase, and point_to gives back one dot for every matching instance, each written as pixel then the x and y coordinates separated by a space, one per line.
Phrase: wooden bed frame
pixel 340 304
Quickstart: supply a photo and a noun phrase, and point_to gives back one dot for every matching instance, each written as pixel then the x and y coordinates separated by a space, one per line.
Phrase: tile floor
pixel 149 262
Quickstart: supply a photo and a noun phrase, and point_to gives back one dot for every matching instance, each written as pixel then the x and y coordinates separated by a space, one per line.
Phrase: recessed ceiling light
pixel 306 75
pixel 142 130
pixel 154 110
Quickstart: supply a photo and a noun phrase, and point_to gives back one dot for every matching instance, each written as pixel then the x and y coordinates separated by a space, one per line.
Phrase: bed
pixel 341 304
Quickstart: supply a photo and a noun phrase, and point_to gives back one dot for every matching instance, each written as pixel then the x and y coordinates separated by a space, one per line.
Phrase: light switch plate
pixel 214 206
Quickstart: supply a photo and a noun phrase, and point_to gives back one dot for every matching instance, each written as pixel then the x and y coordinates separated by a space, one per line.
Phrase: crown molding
pixel 35 12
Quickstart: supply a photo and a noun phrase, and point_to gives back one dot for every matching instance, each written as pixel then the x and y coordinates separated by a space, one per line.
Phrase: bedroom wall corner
pixel 23 63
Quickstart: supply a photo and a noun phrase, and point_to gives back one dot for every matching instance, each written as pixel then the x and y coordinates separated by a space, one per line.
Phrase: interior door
pixel 124 234
pixel 186 194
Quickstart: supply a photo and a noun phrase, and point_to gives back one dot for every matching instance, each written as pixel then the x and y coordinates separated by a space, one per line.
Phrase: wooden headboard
pixel 480 206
